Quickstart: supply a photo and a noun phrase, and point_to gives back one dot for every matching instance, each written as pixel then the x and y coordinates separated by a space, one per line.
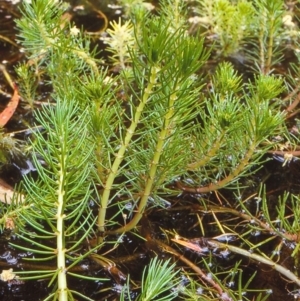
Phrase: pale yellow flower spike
pixel 120 38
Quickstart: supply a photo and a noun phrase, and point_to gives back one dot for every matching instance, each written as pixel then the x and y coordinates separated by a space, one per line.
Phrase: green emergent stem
pixel 120 155
pixel 162 136
pixel 261 44
pixel 220 184
pixel 99 166
pixel 270 48
pixel 61 256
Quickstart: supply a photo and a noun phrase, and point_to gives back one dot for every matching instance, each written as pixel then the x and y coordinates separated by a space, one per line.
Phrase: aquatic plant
pixel 112 144
pixel 252 31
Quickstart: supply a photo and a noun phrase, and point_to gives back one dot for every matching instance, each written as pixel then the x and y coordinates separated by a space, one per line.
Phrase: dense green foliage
pixel 158 125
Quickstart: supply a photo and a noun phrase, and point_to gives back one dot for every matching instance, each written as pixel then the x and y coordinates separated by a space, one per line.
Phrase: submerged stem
pixel 279 268
pixel 222 183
